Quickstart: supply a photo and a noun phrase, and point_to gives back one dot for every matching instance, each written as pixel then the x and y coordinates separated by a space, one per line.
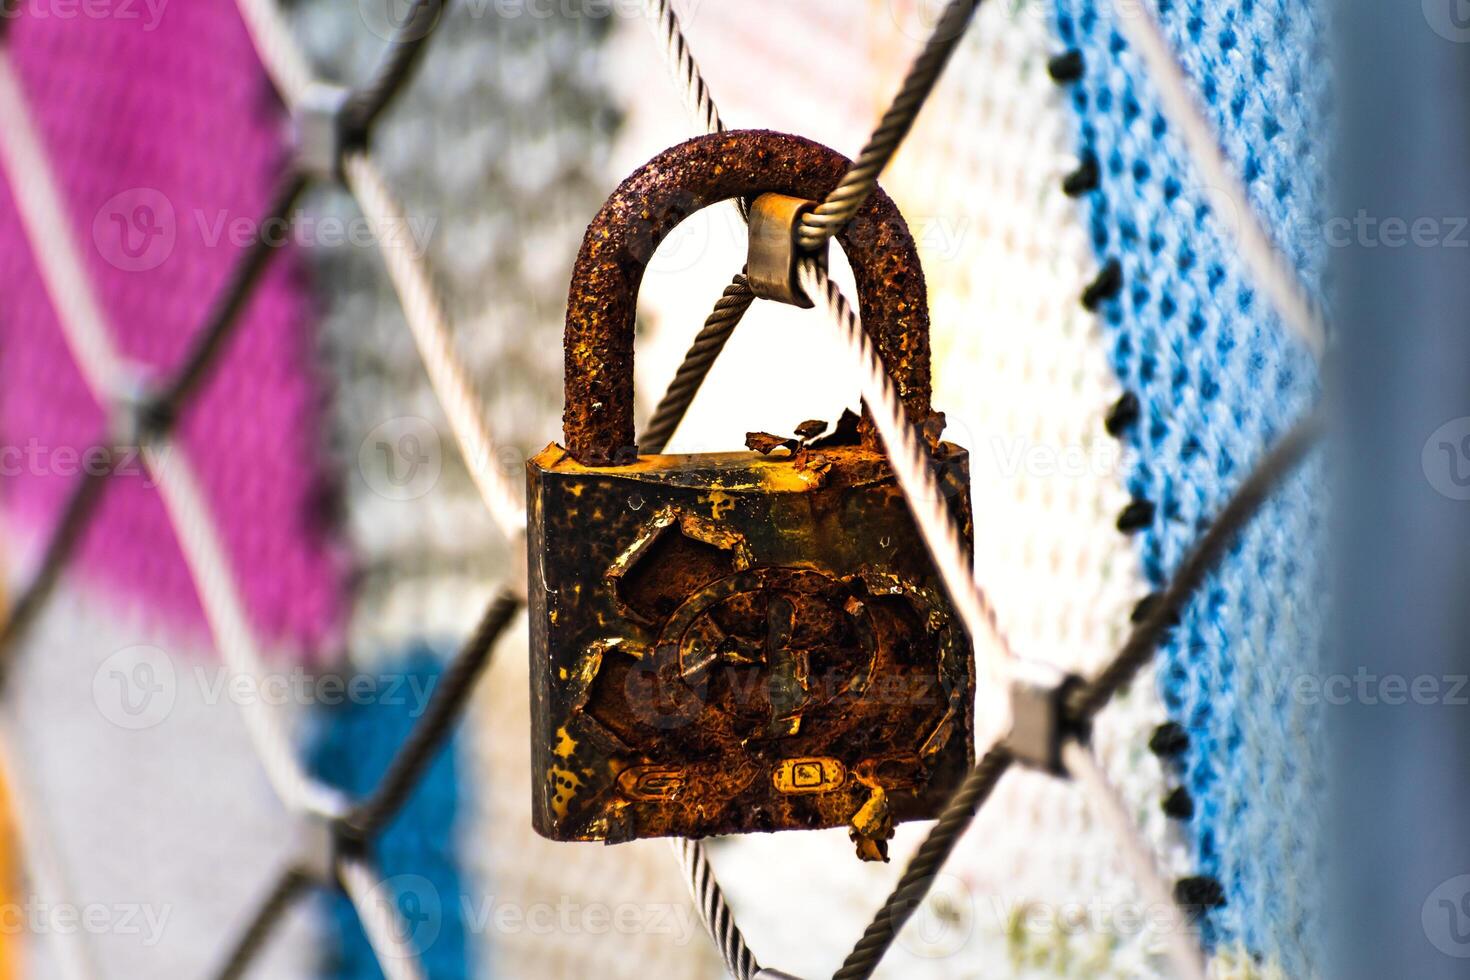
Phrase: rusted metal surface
pixel 602 304
pixel 749 641
pixel 733 642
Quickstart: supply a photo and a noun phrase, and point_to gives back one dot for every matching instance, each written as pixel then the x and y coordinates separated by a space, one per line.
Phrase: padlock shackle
pixel 603 304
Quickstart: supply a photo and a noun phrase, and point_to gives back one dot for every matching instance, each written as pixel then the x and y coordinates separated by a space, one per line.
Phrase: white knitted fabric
pixel 1021 372
pixel 161 824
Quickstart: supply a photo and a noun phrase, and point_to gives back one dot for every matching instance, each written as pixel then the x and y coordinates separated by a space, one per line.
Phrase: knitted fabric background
pixel 162 135
pixel 1219 378
pixel 160 132
pixel 503 146
pixel 498 149
pixel 416 854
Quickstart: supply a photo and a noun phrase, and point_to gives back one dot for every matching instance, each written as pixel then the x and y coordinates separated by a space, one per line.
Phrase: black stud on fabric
pixel 1145 608
pixel 1169 740
pixel 1123 415
pixel 1066 67
pixel 1179 804
pixel 1109 283
pixel 1136 516
pixel 1199 893
pixel 1082 180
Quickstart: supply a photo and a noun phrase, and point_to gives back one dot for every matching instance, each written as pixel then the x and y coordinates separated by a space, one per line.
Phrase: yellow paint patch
pixel 565 744
pixel 720 504
pixel 564 786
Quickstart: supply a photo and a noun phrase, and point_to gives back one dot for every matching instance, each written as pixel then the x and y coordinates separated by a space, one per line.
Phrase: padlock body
pixel 733 642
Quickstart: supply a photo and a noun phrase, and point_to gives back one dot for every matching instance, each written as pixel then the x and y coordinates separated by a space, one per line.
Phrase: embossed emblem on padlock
pixel 736 642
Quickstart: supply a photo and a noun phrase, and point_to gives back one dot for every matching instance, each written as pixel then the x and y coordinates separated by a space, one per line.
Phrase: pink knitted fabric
pixel 164 129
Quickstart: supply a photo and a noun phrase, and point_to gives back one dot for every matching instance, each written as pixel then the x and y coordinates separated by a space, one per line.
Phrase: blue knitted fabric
pixel 1219 378
pixel 416 853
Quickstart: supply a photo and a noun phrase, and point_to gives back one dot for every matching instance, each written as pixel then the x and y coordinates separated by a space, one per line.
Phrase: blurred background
pixel 1098 347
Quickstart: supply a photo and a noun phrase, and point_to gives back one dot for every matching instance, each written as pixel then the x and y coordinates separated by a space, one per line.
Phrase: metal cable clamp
pixel 1040 723
pixel 775 220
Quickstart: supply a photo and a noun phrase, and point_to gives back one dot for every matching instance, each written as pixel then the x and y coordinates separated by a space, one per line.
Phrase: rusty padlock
pixel 736 642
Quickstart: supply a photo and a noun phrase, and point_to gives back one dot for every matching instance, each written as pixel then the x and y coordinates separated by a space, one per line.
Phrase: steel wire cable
pixel 394 68
pixel 225 314
pixel 47 225
pixel 84 327
pixel 289 887
pixel 714 911
pixel 914 468
pixel 429 325
pixel 224 610
pixel 1268 266
pixel 1279 461
pixel 707 346
pixel 1122 668
pixel 282 58
pixel 819 225
pixel 76 515
pixel 451 695
pixel 382 922
pixel 684 67
pixel 88 337
pixel 922 868
pixel 1182 944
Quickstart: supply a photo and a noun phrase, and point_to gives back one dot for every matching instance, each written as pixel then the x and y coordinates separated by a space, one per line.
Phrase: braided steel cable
pixel 709 899
pixel 683 67
pixel 427 320
pixel 1183 945
pixel 399 59
pixel 76 515
pixel 428 736
pixel 702 354
pixel 84 327
pixel 224 610
pixel 819 225
pixel 291 886
pixel 224 315
pixel 914 469
pixel 1091 698
pixel 282 58
pixel 48 226
pixel 1272 272
pixel 919 876
pixel 1288 453
pixel 429 325
pixel 382 922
